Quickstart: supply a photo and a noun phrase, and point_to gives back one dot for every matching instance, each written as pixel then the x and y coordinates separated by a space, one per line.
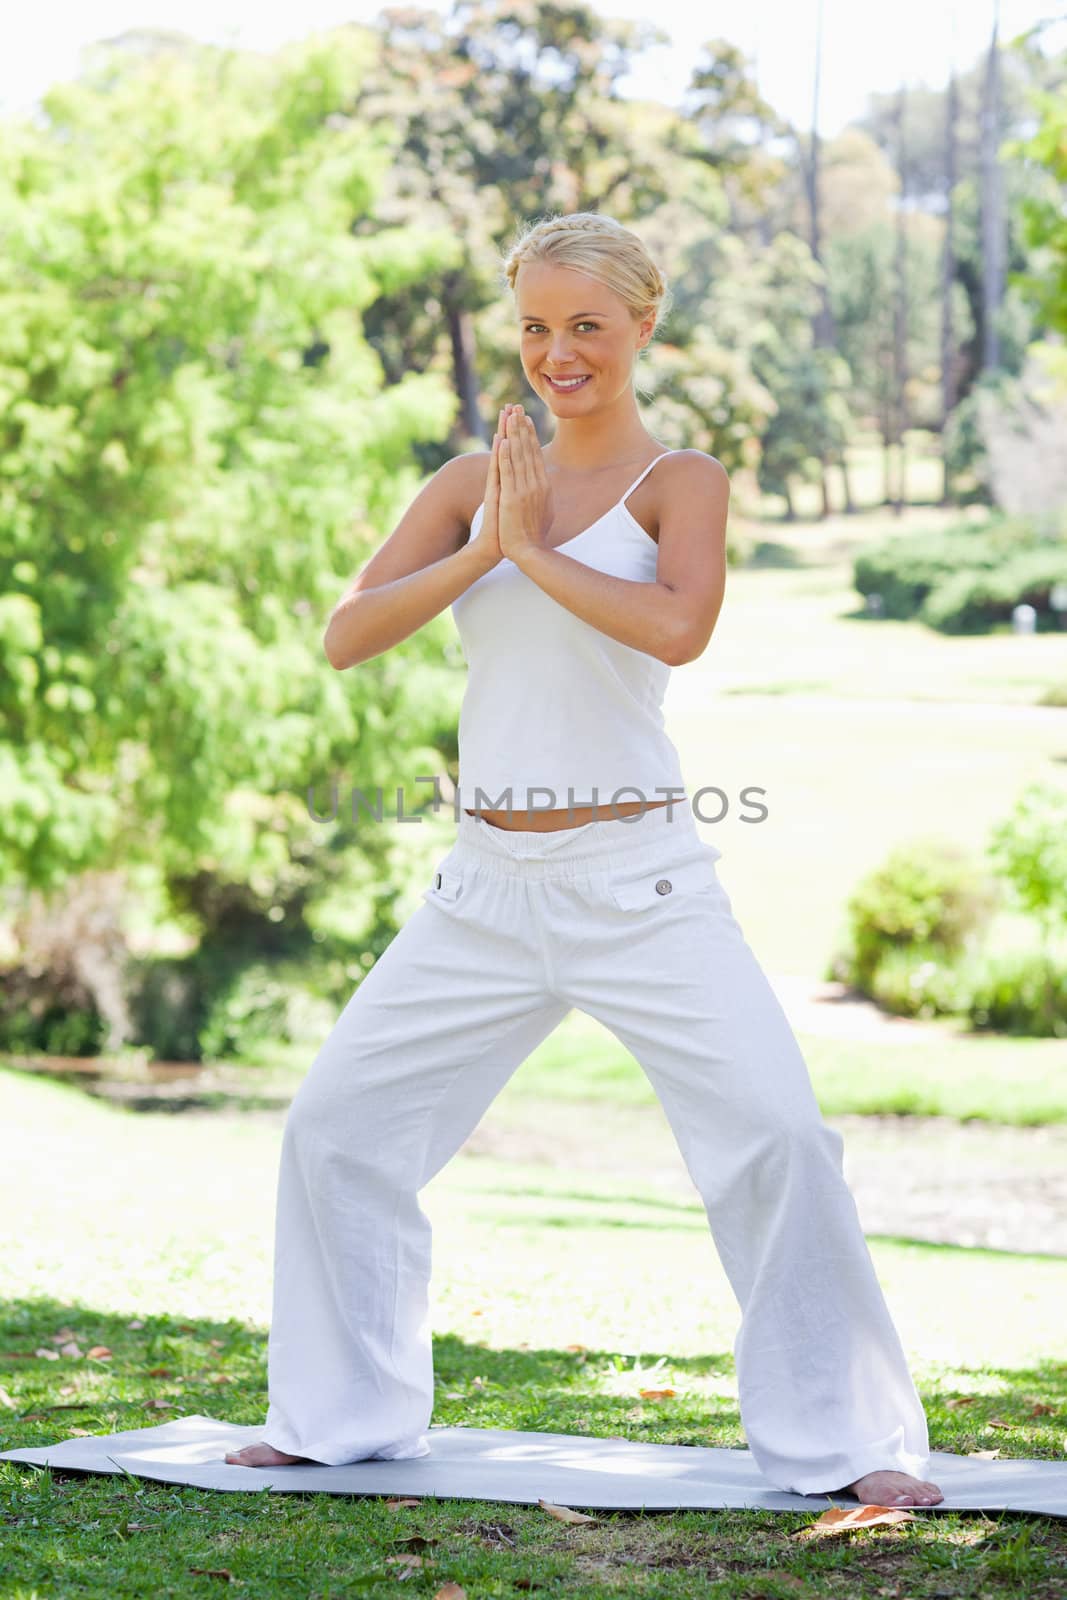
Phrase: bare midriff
pixel 576 817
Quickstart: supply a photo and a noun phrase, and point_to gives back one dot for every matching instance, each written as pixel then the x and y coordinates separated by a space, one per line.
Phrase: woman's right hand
pixel 487 539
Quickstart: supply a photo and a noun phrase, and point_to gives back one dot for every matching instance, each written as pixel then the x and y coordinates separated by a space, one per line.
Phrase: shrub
pixel 265 1005
pixel 927 893
pixel 975 601
pixel 1016 992
pixel 905 570
pixel 964 579
pixel 1029 849
pixel 919 980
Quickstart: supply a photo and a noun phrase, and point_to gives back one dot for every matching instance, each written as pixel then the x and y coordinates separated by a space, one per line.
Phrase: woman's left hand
pixel 525 513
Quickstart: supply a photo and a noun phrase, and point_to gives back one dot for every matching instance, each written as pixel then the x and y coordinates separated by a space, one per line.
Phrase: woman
pixel 577 582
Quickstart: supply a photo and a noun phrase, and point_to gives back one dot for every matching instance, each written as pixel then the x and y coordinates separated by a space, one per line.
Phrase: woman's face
pixel 571 325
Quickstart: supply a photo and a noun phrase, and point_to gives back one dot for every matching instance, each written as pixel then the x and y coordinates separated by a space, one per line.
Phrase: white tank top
pixel 555 712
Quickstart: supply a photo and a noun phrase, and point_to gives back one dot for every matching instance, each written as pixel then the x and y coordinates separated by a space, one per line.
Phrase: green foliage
pixel 973 602
pixel 1022 992
pixel 169 998
pixel 927 894
pixel 1043 226
pixel 1029 849
pixel 913 922
pixel 197 450
pixel 264 1005
pixel 964 579
pixel 917 980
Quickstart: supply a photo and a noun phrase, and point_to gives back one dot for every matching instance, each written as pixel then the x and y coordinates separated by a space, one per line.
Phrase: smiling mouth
pixel 568 386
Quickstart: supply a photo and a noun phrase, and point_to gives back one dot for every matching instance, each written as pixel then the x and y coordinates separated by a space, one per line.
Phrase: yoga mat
pixel 506 1464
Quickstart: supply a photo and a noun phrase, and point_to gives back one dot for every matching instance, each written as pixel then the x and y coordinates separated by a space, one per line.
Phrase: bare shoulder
pixel 694 497
pixel 695 468
pixel 467 475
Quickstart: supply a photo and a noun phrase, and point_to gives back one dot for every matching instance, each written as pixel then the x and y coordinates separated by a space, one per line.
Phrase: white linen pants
pixel 625 920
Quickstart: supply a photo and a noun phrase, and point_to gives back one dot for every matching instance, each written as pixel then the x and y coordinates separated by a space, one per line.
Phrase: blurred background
pixel 250 298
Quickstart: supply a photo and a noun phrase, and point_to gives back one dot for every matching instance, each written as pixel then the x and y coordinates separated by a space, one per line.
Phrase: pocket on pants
pixel 445 887
pixel 648 887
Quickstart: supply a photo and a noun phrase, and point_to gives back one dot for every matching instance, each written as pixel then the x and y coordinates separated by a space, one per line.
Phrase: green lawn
pixel 860 734
pixel 556 1295
pixel 1020 1081
pixel 556 1298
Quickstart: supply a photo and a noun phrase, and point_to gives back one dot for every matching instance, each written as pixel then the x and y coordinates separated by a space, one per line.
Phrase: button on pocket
pixel 445 885
pixel 651 886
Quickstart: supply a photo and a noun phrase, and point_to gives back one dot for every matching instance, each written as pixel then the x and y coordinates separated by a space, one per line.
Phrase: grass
pixel 554 1301
pixel 854 735
pixel 555 1296
pixel 1017 1081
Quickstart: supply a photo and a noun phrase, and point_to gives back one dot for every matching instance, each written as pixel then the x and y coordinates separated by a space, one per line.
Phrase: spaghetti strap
pixel 637 480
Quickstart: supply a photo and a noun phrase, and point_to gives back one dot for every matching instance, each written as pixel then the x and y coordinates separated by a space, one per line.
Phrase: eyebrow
pixel 576 318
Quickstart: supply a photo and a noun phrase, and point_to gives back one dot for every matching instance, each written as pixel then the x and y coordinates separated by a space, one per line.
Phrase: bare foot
pixel 262 1455
pixel 888 1488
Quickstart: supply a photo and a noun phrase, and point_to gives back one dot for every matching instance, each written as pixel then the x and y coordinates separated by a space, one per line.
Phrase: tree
pixel 197 449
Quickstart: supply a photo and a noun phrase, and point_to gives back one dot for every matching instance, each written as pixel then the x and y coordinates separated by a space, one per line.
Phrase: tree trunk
pixel 461 334
pixel 900 313
pixel 948 277
pixel 992 206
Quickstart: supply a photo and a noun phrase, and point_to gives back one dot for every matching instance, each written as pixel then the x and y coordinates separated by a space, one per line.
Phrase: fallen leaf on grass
pixel 960 1400
pixel 995 1422
pixel 49 1355
pixel 159 1372
pixel 214 1572
pixel 421 1540
pixel 395 1505
pixel 99 1352
pixel 403 1561
pixel 985 1455
pixel 5 1398
pixel 69 1349
pixel 160 1405
pixel 77 1433
pixel 837 1521
pixel 451 1591
pixel 564 1513
pixel 655 1394
pixel 136 1323
pixel 1041 1409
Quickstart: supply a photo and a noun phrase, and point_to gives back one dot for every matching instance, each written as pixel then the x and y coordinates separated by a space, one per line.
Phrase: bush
pixel 1017 992
pixel 928 894
pixel 905 570
pixel 965 579
pixel 918 980
pixel 265 1005
pixel 40 1016
pixel 168 1002
pixel 975 601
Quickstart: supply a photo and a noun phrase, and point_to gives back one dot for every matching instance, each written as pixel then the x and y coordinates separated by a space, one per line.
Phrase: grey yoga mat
pixel 506 1464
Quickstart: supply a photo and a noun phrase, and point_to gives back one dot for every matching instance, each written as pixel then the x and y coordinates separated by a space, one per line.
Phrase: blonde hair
pixel 589 242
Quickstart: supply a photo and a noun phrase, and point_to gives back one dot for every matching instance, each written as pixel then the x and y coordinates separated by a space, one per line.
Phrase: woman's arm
pixel 419 570
pixel 674 617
